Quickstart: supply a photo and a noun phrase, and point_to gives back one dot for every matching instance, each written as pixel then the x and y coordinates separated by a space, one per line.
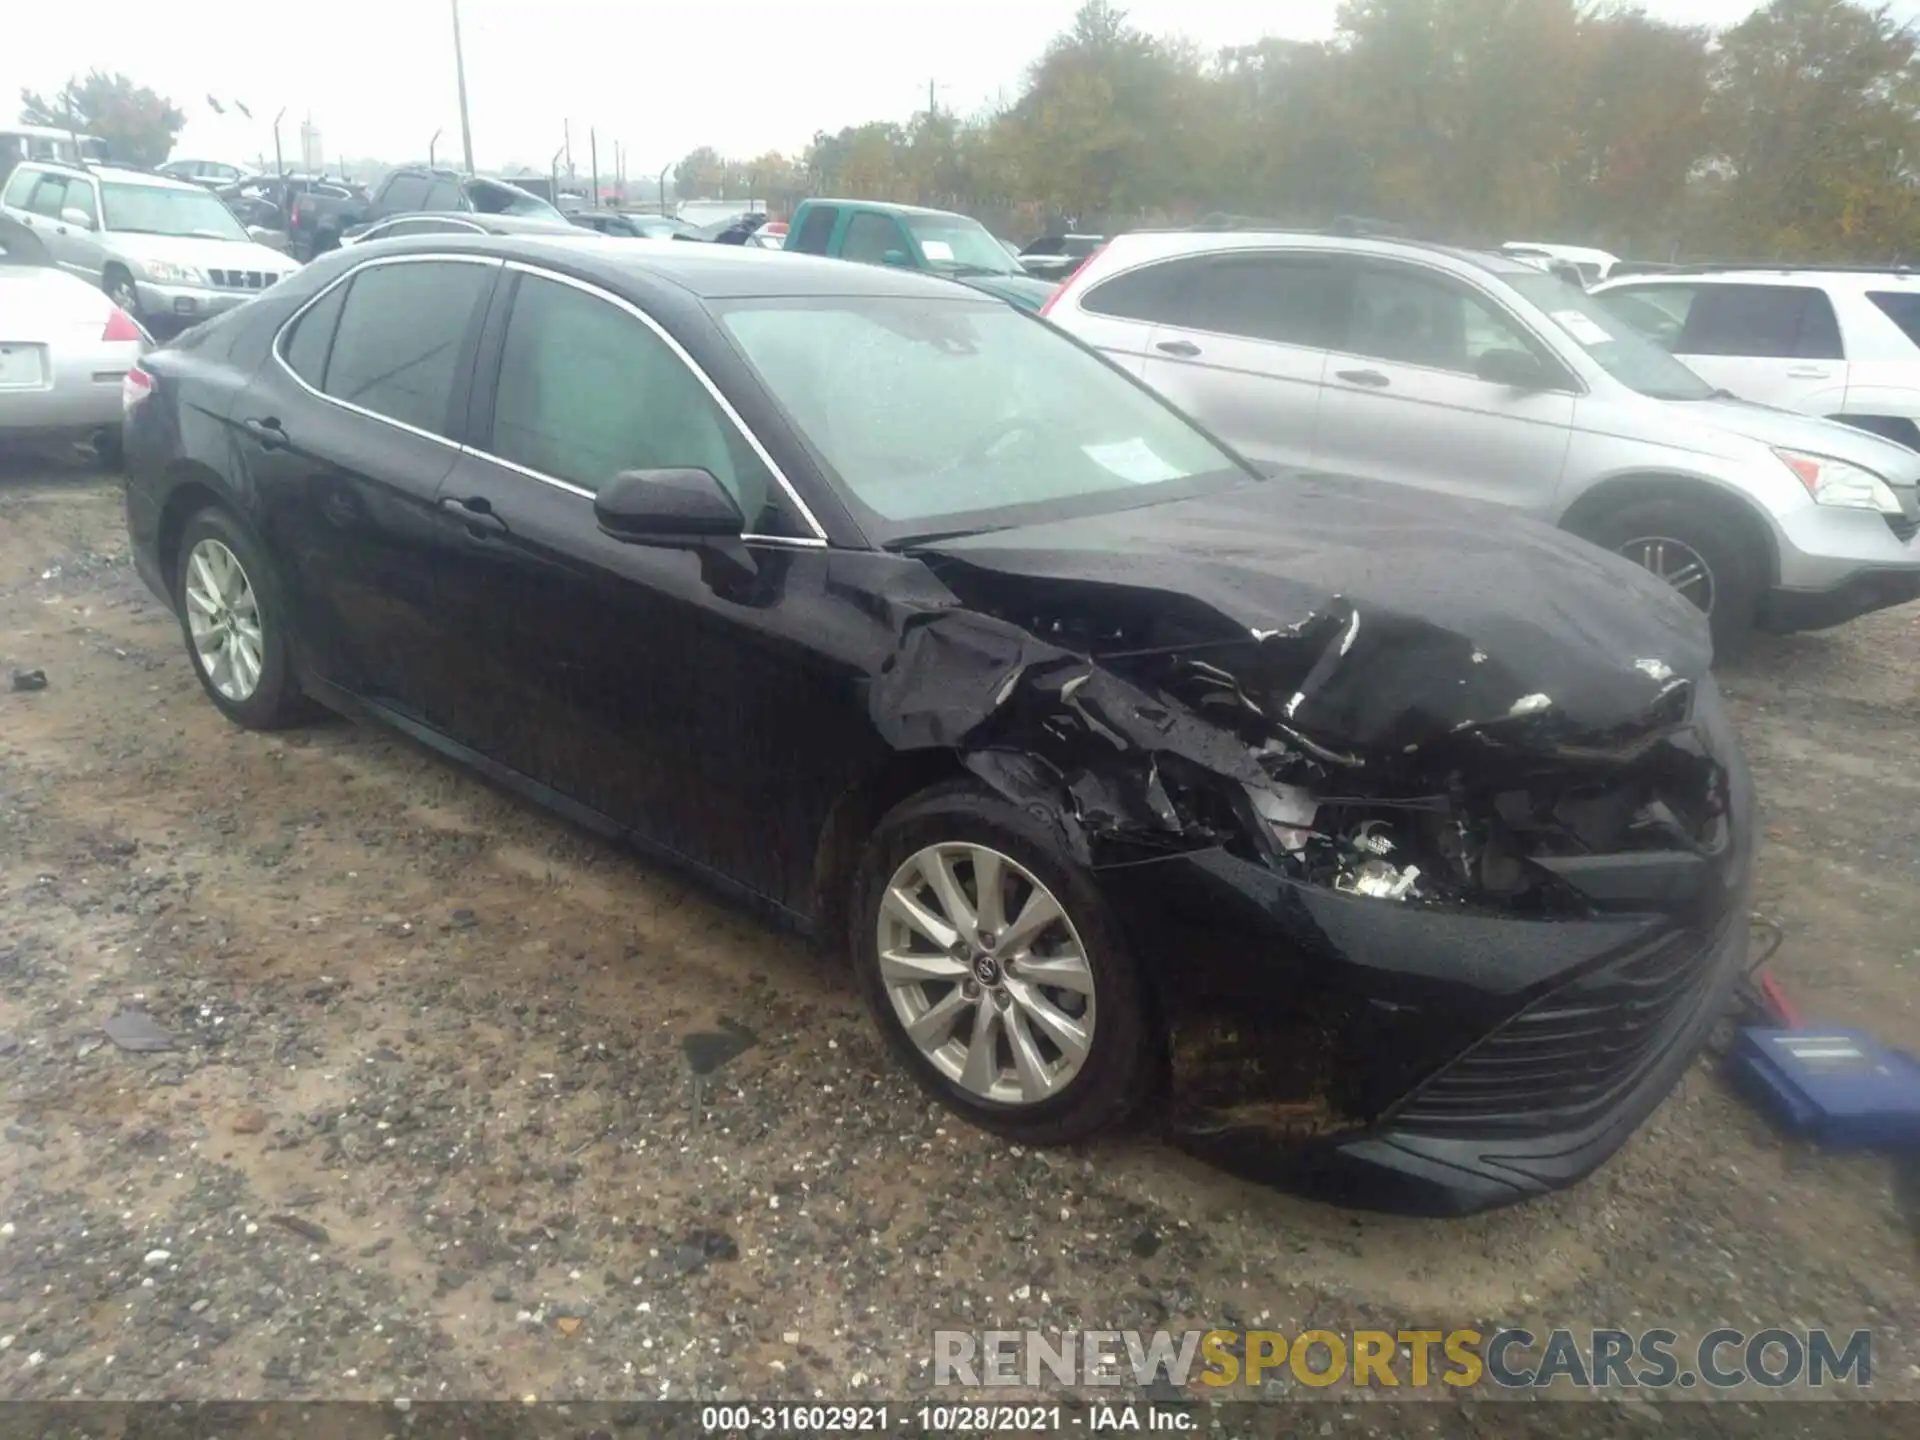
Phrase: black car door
pixel 345 438
pixel 652 686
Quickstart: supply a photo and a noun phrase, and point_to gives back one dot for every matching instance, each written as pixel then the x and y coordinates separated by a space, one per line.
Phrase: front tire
pixel 995 970
pixel 1698 551
pixel 233 618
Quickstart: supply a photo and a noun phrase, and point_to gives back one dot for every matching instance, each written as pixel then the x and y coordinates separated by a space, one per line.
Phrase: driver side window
pixel 587 391
pixel 870 237
pixel 1411 318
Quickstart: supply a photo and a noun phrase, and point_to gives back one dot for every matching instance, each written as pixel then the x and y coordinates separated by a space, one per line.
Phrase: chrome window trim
pixel 804 542
pixel 280 336
pixel 819 537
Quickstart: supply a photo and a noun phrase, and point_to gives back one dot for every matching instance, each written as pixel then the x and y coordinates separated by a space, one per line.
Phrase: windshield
pixel 151 210
pixel 949 417
pixel 953 243
pixel 1619 349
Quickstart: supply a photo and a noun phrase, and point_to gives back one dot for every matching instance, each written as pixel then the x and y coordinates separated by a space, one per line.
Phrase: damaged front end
pixel 1433 925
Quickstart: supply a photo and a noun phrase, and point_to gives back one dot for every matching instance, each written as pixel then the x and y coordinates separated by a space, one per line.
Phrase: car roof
pixel 889 207
pixel 506 224
pixel 1862 277
pixel 709 272
pixel 1167 244
pixel 119 175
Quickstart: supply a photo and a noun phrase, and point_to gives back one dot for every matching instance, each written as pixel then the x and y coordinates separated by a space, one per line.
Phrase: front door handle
pixel 476 513
pixel 1372 379
pixel 267 431
pixel 1186 349
pixel 1809 372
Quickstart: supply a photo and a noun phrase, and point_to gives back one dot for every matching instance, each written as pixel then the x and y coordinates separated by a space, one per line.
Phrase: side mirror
pixel 77 218
pixel 895 257
pixel 667 507
pixel 1515 369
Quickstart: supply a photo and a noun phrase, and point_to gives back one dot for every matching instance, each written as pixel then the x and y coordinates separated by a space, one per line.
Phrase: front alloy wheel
pixel 997 972
pixel 986 973
pixel 1677 563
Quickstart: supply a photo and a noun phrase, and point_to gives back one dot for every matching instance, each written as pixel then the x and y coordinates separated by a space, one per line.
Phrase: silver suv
pixel 1486 377
pixel 162 248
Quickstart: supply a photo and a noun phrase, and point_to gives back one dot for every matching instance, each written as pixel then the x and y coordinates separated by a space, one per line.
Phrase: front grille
pixel 1561 1062
pixel 242 279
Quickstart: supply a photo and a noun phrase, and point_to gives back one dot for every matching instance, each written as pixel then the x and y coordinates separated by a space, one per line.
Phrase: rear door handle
pixel 1186 349
pixel 476 513
pixel 267 431
pixel 1372 379
pixel 1808 372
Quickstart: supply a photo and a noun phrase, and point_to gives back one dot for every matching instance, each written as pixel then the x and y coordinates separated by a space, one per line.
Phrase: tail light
pixel 135 386
pixel 122 326
pixel 1067 284
pixel 299 212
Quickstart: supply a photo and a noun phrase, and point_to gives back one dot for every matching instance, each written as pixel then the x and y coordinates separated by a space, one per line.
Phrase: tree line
pixel 1793 134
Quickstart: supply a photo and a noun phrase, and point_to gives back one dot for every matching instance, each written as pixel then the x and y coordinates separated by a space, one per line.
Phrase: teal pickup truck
pixel 936 241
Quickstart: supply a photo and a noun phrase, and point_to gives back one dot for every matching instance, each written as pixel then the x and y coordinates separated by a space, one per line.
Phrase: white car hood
pixel 201 253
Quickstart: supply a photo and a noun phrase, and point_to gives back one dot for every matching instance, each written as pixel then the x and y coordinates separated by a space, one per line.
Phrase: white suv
pixel 162 248
pixel 1841 342
pixel 1483 376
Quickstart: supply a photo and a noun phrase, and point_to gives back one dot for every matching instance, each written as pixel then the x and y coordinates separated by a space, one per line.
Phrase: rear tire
pixel 234 621
pixel 1059 1062
pixel 1710 560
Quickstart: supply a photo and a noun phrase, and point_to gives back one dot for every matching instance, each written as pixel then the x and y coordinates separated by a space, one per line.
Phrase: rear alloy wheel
pixel 1700 552
pixel 991 964
pixel 228 598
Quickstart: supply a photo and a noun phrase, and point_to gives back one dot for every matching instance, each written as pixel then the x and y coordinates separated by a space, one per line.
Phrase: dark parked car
pixel 457 222
pixel 319 223
pixel 635 224
pixel 1055 257
pixel 1403 840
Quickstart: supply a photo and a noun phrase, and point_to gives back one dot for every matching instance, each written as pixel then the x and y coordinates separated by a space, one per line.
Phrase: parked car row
pixel 1479 375
pixel 1398 840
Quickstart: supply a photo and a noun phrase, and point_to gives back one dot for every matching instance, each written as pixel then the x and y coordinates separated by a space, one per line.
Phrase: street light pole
pixel 460 76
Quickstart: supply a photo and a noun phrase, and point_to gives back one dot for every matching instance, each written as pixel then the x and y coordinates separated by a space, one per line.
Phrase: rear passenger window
pixel 404 192
pixel 306 344
pixel 1285 299
pixel 1784 322
pixel 399 338
pixel 816 232
pixel 1153 293
pixel 443 196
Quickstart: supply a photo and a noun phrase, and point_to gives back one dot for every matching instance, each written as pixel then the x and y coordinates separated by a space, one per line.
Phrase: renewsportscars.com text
pixel 1515 1359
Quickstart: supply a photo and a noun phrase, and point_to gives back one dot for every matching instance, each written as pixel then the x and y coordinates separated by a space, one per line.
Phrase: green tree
pixel 700 174
pixel 138 124
pixel 1815 116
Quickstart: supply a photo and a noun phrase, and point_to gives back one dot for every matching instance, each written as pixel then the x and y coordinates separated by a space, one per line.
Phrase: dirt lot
pixel 431 1131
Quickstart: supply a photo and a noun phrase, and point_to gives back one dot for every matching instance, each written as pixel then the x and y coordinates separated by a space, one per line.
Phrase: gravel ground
pixel 430 1126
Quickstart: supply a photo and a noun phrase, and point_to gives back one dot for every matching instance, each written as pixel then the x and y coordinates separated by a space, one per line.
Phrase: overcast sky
pixel 746 76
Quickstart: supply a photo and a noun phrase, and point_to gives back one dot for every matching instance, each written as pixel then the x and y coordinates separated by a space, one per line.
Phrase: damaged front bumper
pixel 1424 1059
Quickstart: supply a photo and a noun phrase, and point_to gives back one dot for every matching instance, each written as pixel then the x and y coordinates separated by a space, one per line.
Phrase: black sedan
pixel 1389 845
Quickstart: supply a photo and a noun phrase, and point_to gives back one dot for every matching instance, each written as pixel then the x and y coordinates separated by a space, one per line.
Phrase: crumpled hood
pixel 1793 431
pixel 1363 616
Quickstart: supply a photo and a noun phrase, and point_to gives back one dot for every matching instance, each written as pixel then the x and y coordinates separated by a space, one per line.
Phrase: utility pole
pixel 663 188
pixel 460 77
pixel 593 161
pixel 279 165
pixel 933 107
pixel 566 137
pixel 432 145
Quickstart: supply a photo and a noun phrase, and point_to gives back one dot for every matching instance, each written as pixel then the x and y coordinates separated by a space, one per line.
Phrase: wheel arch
pixel 191 488
pixel 1620 490
pixel 851 822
